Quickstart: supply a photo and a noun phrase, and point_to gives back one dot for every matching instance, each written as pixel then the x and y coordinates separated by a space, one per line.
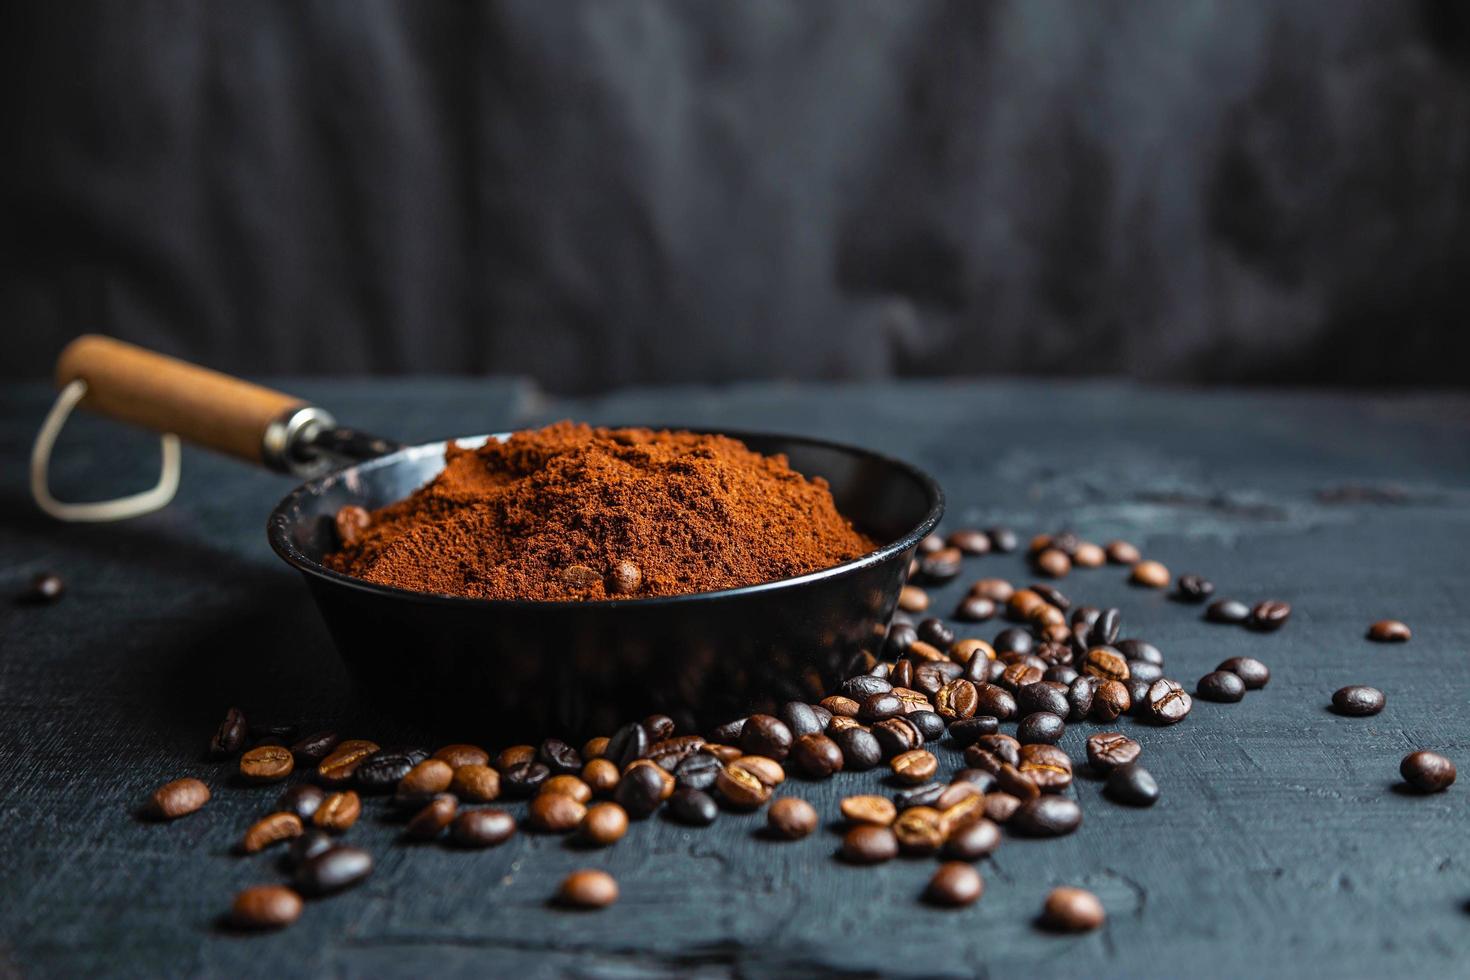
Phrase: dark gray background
pixel 595 194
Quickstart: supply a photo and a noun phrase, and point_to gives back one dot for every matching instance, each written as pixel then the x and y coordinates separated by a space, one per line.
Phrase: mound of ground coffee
pixel 573 512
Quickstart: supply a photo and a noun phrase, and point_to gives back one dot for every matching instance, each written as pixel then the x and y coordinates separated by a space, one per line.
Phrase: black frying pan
pixel 533 667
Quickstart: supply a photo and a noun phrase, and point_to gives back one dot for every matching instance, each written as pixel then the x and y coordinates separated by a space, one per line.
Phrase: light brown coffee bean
pixel 954 884
pixel 341 763
pixel 482 828
pixel 1151 574
pixel 265 907
pixel 515 755
pixel 430 822
pixel 338 812
pixel 267 763
pixel 740 788
pixel 425 779
pixel 601 776
pixel 555 813
pixel 568 786
pixel 177 799
pixel 914 766
pixel 963 651
pixel 913 599
pixel 595 748
pixel 876 810
pixel 869 844
pixel 995 589
pixel 1053 563
pixel 604 824
pixel 768 771
pixel 1089 555
pixel 270 830
pixel 1105 665
pixel 1000 806
pixel 462 755
pixel 625 578
pixel 791 818
pixel 588 889
pixel 1389 631
pixel 475 783
pixel 1122 553
pixel 920 830
pixel 1072 910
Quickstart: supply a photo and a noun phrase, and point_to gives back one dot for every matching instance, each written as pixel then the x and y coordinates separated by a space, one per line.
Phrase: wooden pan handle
pixel 162 393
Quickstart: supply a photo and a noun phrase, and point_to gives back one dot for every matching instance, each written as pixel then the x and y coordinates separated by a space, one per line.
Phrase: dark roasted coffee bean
pixel 1110 700
pixel 996 701
pixel 1106 664
pixel 791 818
pixel 1227 611
pixel 957 700
pixel 1000 807
pixel 640 791
pixel 315 747
pixel 630 742
pixel 694 807
pixel 559 757
pixel 1002 539
pixel 897 735
pixel 1140 650
pixel 973 841
pixel 816 755
pixel 1358 700
pixel 767 735
pixel 823 716
pixel 930 677
pixel 979 778
pixel 926 795
pixel 1220 685
pixel 941 565
pixel 966 731
pixel 1269 616
pixel 929 724
pixel 1041 727
pixel 1004 747
pixel 1041 696
pixel 1079 697
pixel 1193 588
pixel 229 738
pixel 1144 671
pixel 878 707
pixel 869 844
pixel 43 588
pixel 995 669
pixel 1053 562
pixel 1014 640
pixel 1389 631
pixel 523 779
pixel 1019 674
pixel 1107 751
pixel 1167 702
pixel 1072 910
pixel 931 543
pixel 1046 816
pixel 659 727
pixel 1061 673
pixel 935 633
pixel 381 771
pixel 969 541
pixel 801 719
pixel 900 637
pixel 975 609
pixel 265 907
pixel 1105 630
pixel 488 827
pixel 301 799
pixel 430 821
pixel 309 845
pixel 860 749
pixel 900 673
pixel 954 884
pixel 1052 596
pixel 1133 785
pixel 668 753
pixel 862 687
pixel 333 870
pixel 1254 674
pixel 1138 694
pixel 697 771
pixel 1428 772
pixel 1047 766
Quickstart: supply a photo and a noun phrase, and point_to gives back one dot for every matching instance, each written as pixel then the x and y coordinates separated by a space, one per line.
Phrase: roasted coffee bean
pixel 1140 650
pixel 229 738
pixel 1003 747
pixel 668 753
pixel 1107 751
pixel 659 727
pixel 587 889
pixel 874 810
pixel 560 757
pixel 767 735
pixel 869 844
pixel 333 870
pixel 1053 562
pixel 929 724
pixel 1254 674
pixel 969 541
pixel 1072 910
pixel 698 771
pixel 602 777
pixel 604 824
pixel 568 786
pixel 1011 780
pixel 791 818
pixel 1089 555
pixel 900 637
pixel 1389 631
pixel 1167 702
pixel 1002 539
pixel 1132 785
pixel 265 907
pixel 816 756
pixel 859 688
pixel 694 807
pixel 920 830
pixel 482 828
pixel 1047 766
pixel 741 788
pixel 302 799
pixel 931 543
pixel 1080 694
pixel 1428 772
pixel 1104 630
pixel 423 781
pixel 267 763
pixel 350 521
pixel 270 830
pixel 912 599
pixel 978 778
pixel 1138 694
pixel 631 742
pixel 930 677
pixel 900 673
pixel 973 841
pixel 311 843
pixel 941 565
pixel 1063 674
pixel 1358 700
pixel 921 653
pixel 1220 685
pixel 935 633
pixel 860 749
pixel 524 779
pixel 1122 553
pixel 593 748
pixel 555 813
pixel 315 747
pixel 914 767
pixel 1269 616
pixel 878 707
pixel 641 790
pixel 957 700
pixel 1022 604
pixel 1150 574
pixel 1144 671
pixel 381 771
pixel 338 812
pixel 430 821
pixel 1041 727
pixel 824 717
pixel 1110 700
pixel 841 706
pixel 1019 674
pixel 341 763
pixel 955 794
pixel 975 609
pixel 1228 611
pixel 926 795
pixel 1047 816
pixel 1000 807
pixel 1014 640
pixel 966 731
pixel 896 735
pixel 954 884
pixel 801 718
pixel 1193 588
pixel 475 784
pixel 997 590
pixel 1106 664
pixel 1041 696
pixel 1052 596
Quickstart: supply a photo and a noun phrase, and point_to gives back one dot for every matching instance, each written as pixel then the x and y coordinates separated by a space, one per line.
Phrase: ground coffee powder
pixel 573 512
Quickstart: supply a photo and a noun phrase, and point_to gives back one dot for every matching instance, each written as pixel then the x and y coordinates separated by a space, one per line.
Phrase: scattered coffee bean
pixel 816 755
pixel 1042 696
pixel 1132 785
pixel 382 771
pixel 874 810
pixel 1138 694
pixel 896 736
pixel 482 828
pixel 1104 630
pixel 1107 751
pixel 869 844
pixel 698 771
pixel 1167 702
pixel 954 884
pixel 555 813
pixel 1144 671
pixel 997 590
pixel 1081 691
pixel 969 541
pixel 1193 588
pixel 973 841
pixel 966 731
pixel 1269 616
pixel 1009 779
pixel 341 763
pixel 302 799
pixel 935 633
pixel 861 751
pixel 1150 574
pixel 791 818
pixel 524 778
pixel 1014 640
pixel 801 718
pixel 920 830
pixel 605 824
pixel 1358 700
pixel 1089 555
pixel 1000 807
pixel 1221 685
pixel 265 907
pixel 559 757
pixel 1428 772
pixel 1047 816
pixel 941 565
pixel 929 724
pixel 424 780
pixel 741 788
pixel 338 812
pixel 926 795
pixel 1072 910
pixel 229 738
pixel 1122 553
pixel 311 843
pixel 1002 539
pixel 1389 631
pixel 315 747
pixel 628 744
pixel 333 870
pixel 913 599
pixel 975 609
pixel 641 790
pixel 766 735
pixel 1106 664
pixel 914 767
pixel 1228 611
pixel 1041 727
pixel 587 889
pixel 266 763
pixel 1110 700
pixel 1053 562
pixel 476 783
pixel 430 822
pixel 1254 674
pixel 1140 650
pixel 694 807
pixel 270 830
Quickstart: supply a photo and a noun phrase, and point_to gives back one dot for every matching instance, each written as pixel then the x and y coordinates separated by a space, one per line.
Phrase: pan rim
pixel 277 526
